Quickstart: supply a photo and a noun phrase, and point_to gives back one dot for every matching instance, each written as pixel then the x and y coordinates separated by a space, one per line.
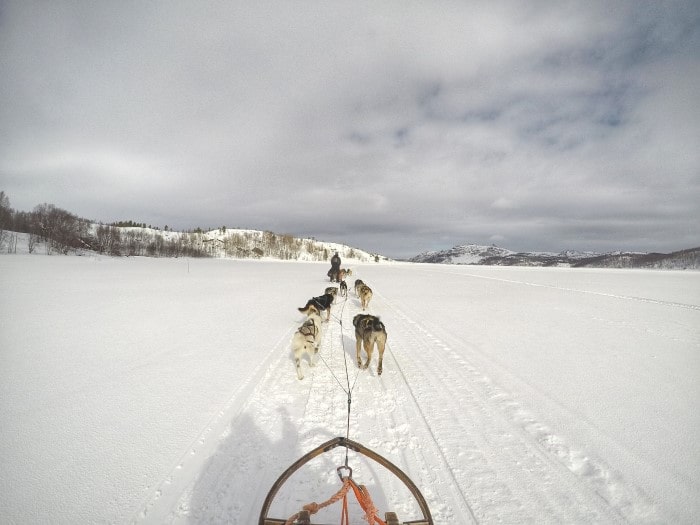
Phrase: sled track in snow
pixel 482 458
pixel 384 416
pixel 512 467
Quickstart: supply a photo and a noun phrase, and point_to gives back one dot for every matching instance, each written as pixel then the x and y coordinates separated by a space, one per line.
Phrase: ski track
pixel 511 467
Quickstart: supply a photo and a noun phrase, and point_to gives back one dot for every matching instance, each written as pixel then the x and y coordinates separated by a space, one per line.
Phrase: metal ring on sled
pixel 352 445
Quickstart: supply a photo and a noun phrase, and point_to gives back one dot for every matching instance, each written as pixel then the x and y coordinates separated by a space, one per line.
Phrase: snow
pixel 139 390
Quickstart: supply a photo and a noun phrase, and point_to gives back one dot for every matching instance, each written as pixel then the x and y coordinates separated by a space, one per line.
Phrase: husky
pixel 364 292
pixel 332 290
pixel 358 283
pixel 343 273
pixel 369 330
pixel 306 339
pixel 343 289
pixel 321 303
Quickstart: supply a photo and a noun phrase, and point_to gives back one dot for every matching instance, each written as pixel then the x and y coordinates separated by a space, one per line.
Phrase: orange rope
pixel 314 507
pixel 363 498
pixel 345 516
pixel 365 501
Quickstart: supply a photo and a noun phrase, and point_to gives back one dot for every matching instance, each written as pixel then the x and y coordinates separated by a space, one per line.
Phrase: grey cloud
pixel 395 127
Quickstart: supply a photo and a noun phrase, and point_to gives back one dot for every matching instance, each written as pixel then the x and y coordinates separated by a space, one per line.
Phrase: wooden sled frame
pixel 352 445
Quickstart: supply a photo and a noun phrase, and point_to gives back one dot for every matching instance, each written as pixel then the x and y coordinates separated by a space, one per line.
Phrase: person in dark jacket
pixel 335 268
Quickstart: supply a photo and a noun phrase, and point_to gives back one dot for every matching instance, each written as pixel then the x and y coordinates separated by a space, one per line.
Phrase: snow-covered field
pixel 163 390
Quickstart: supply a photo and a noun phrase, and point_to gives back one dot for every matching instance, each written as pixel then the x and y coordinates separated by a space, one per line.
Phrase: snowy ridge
pixel 495 256
pixel 246 243
pixel 283 246
pixel 224 243
pixel 463 254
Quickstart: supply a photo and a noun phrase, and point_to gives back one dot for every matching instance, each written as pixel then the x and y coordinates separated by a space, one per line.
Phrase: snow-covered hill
pixel 463 254
pixel 229 242
pixel 680 260
pixel 151 242
pixel 495 256
pixel 244 243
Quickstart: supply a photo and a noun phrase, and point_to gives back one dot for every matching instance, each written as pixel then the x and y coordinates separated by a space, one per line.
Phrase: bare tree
pixel 31 242
pixel 61 230
pixel 11 238
pixel 5 211
pixel 5 218
pixel 108 240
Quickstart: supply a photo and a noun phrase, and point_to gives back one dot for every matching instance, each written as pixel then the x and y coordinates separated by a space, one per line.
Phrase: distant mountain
pixel 495 256
pixel 464 254
pixel 680 260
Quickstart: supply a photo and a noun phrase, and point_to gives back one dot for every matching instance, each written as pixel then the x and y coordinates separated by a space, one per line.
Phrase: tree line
pixel 59 231
pixel 55 230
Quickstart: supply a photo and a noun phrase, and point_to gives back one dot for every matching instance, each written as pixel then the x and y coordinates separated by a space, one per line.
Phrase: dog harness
pixel 309 330
pixel 318 303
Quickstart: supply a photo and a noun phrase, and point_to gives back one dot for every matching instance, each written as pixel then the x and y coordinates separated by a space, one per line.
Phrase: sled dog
pixel 306 339
pixel 343 289
pixel 343 273
pixel 369 330
pixel 332 290
pixel 322 302
pixel 358 283
pixel 364 292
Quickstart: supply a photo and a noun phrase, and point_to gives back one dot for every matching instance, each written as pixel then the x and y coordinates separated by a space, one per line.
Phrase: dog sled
pixel 303 517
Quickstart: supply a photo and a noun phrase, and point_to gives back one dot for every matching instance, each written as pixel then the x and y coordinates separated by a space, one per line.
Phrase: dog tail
pixel 377 324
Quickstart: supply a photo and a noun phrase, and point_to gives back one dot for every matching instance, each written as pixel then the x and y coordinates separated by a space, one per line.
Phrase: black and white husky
pixel 321 303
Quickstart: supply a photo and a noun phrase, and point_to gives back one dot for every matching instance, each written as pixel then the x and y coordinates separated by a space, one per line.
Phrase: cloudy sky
pixel 395 127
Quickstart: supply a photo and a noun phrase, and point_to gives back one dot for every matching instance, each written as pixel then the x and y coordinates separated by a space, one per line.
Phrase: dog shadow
pixel 358 303
pixel 349 349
